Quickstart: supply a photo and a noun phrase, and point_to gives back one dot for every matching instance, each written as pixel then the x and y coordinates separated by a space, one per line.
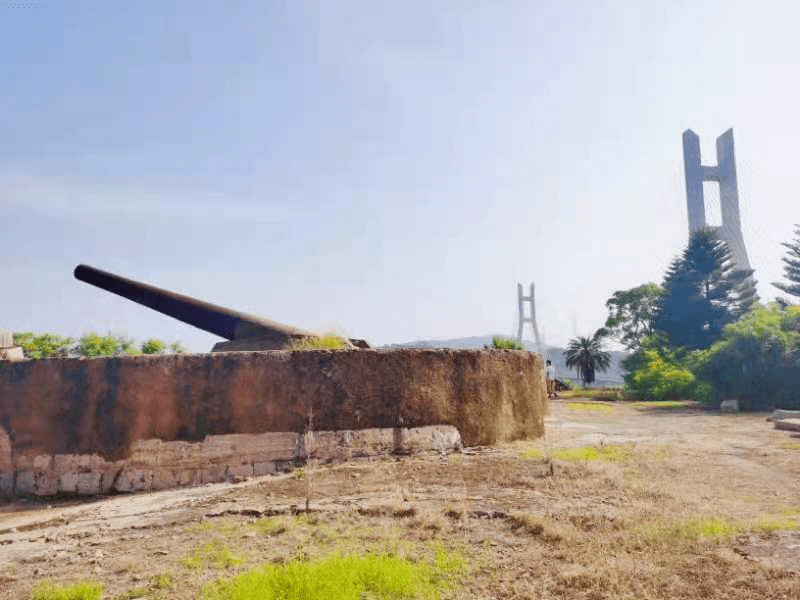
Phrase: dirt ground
pixel 651 502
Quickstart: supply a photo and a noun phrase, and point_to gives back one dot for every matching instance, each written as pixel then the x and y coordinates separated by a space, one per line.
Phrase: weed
pixel 328 341
pixel 347 577
pixel 212 555
pixel 83 590
pixel 163 581
pixel 271 526
pixel 139 592
pixel 500 343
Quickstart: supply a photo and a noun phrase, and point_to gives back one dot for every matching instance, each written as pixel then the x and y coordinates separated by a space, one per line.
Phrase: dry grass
pixel 620 522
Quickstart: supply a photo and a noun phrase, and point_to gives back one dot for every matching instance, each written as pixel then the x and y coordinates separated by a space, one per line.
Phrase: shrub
pixel 500 343
pixel 659 377
pixel 758 361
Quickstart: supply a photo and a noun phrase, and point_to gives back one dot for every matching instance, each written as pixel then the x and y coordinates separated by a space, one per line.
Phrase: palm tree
pixel 586 354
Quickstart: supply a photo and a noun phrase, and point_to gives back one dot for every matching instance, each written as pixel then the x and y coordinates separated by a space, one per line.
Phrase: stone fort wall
pixel 67 421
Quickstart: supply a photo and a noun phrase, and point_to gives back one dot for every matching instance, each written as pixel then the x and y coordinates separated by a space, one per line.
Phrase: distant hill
pixel 611 378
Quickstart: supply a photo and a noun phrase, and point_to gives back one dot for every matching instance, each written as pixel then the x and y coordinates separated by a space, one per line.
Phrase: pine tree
pixel 792 266
pixel 703 292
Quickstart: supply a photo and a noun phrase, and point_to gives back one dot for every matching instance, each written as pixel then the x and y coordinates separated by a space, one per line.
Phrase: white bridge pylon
pixel 531 319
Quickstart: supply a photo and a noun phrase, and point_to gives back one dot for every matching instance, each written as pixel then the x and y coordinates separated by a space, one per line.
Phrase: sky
pixel 385 170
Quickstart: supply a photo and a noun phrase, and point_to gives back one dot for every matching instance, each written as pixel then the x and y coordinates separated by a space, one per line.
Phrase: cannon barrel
pixel 221 321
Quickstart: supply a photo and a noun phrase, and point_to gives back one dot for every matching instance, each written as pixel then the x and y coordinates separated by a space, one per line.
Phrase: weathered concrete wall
pixel 106 407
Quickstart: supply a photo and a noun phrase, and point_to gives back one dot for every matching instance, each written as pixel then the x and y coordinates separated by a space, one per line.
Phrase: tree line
pixel 703 333
pixel 49 345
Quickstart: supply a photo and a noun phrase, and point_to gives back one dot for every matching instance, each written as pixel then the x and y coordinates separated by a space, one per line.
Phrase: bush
pixel 500 343
pixel 758 361
pixel 660 379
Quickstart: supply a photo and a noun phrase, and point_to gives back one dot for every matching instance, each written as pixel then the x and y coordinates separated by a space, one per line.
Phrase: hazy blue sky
pixel 387 169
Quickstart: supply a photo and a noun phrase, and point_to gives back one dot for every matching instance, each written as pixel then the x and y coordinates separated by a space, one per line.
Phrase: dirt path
pixel 530 519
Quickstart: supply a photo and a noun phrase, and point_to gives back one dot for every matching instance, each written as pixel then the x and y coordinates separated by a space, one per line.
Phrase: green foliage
pixel 656 374
pixel 758 361
pixel 46 345
pixel 342 577
pixel 83 590
pixel 791 266
pixel 49 345
pixel 586 354
pixel 703 293
pixel 324 342
pixel 631 313
pixel 501 343
pixel 92 344
pixel 153 346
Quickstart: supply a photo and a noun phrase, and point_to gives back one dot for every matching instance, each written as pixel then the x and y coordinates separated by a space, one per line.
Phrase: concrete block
pixel 729 406
pixel 788 424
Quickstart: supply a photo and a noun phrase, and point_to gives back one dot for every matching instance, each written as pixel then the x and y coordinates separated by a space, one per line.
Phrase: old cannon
pixel 244 332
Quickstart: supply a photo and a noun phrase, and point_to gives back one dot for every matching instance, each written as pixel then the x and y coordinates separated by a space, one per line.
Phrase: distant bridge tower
pixel 725 174
pixel 532 319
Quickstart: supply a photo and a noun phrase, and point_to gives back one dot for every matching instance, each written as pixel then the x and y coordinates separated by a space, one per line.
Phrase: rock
pixel 779 415
pixel 729 406
pixel 788 424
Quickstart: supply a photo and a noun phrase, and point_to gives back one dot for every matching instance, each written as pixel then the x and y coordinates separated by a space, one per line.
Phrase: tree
pixel 586 354
pixel 177 348
pixel 631 314
pixel 792 266
pixel 703 292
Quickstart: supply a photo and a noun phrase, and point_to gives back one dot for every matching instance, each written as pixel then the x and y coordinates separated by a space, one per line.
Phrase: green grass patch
pixel 790 445
pixel 591 406
pixel 83 590
pixel 608 453
pixel 715 529
pixel 211 555
pixel 340 577
pixel 612 394
pixel 604 453
pixel 665 404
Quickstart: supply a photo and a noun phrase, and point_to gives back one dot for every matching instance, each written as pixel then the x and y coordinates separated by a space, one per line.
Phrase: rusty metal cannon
pixel 244 332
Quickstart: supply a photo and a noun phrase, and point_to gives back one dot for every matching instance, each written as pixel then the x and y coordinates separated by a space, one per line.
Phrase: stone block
pixel 788 424
pixel 134 479
pixel 729 406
